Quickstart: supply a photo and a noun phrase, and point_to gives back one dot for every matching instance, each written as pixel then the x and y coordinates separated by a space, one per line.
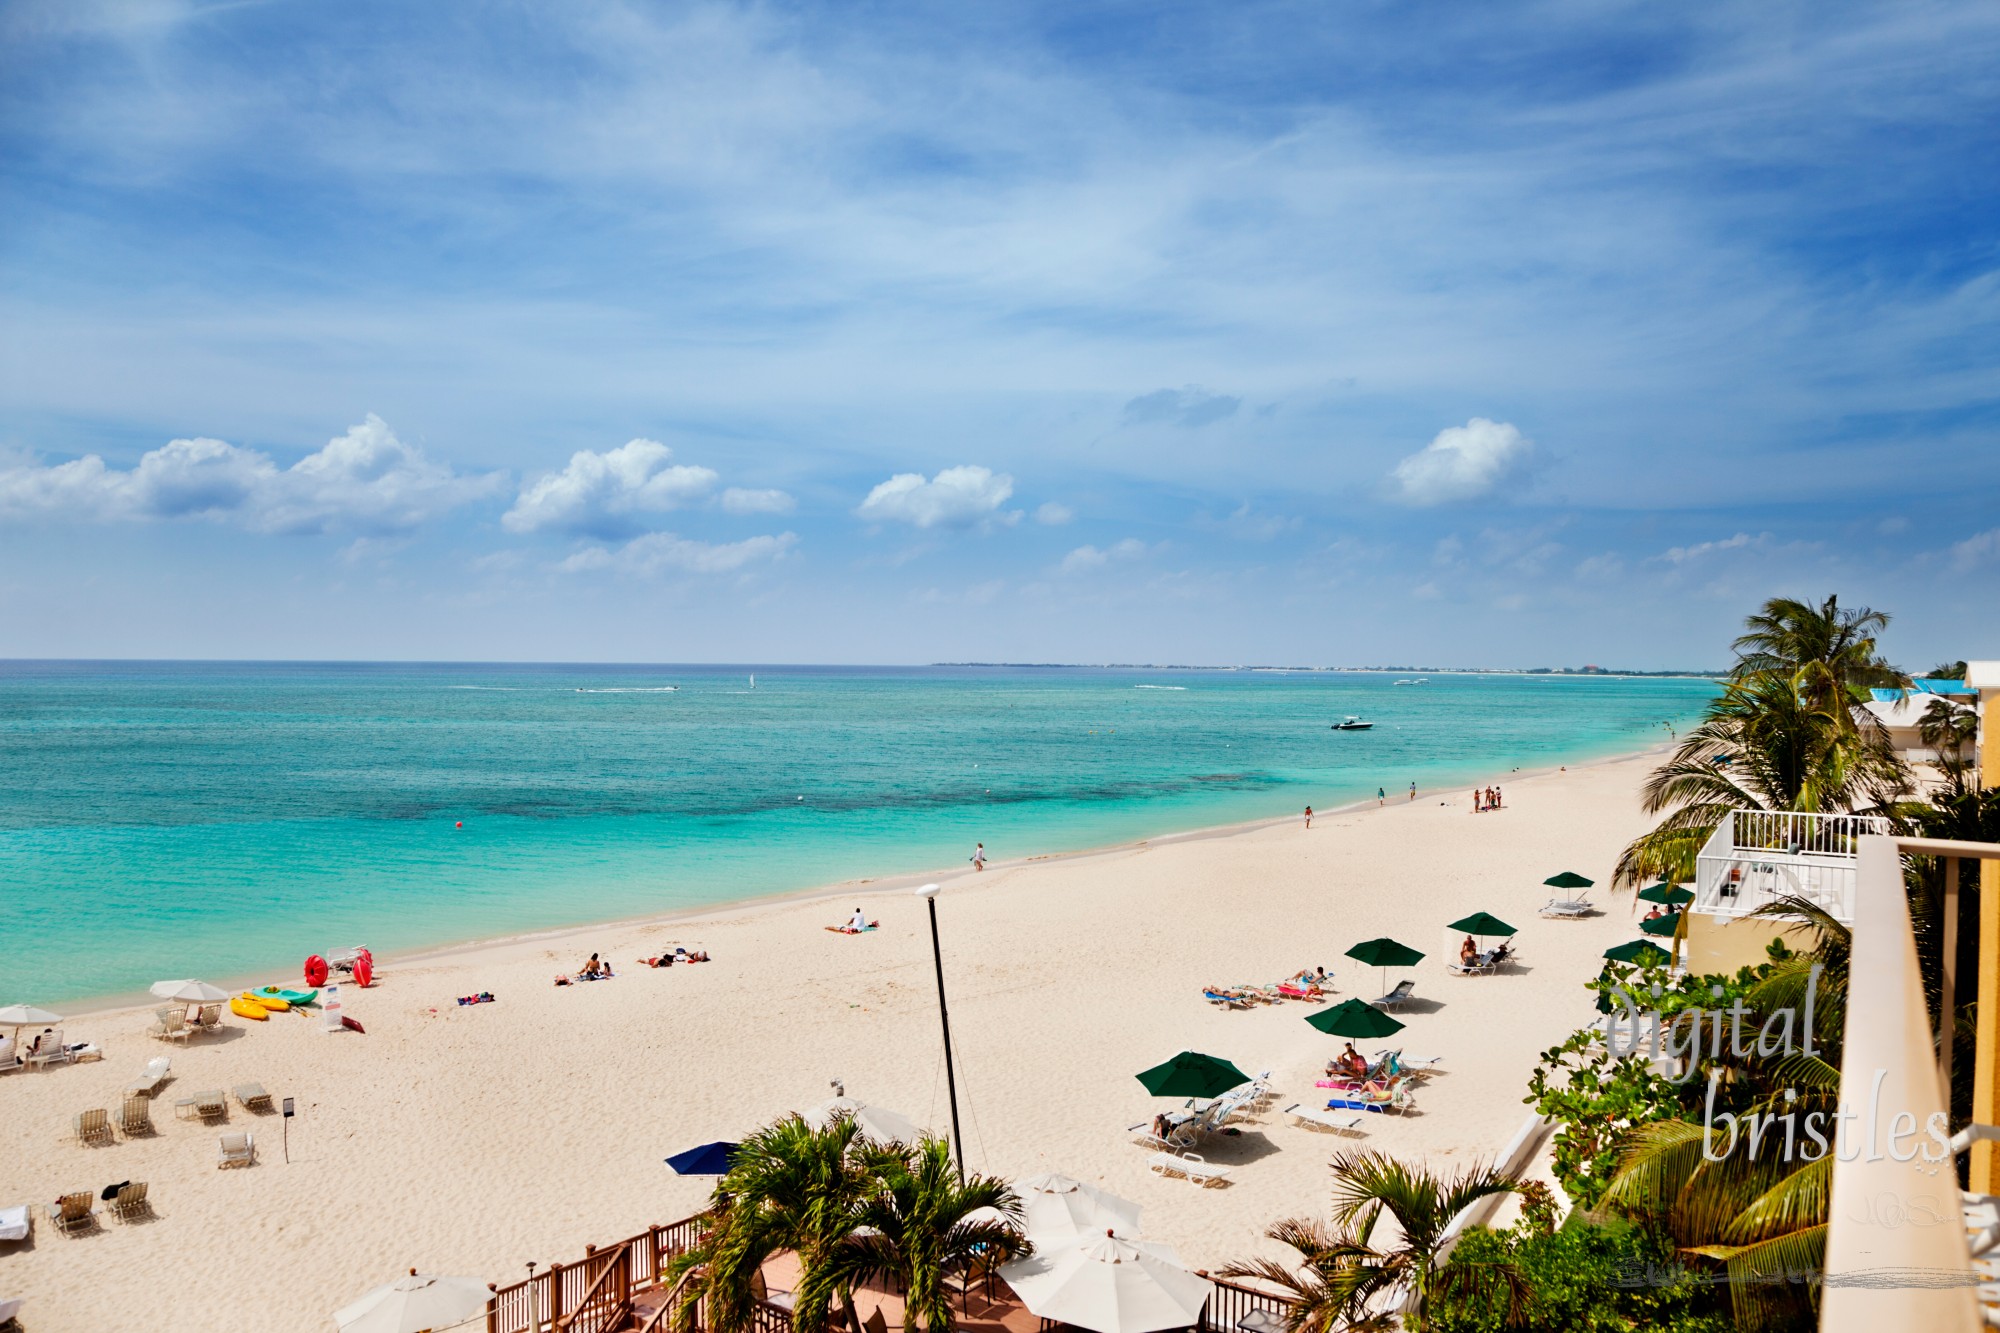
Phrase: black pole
pixel 944 1013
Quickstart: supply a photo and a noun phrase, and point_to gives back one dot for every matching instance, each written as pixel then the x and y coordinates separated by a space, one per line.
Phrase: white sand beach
pixel 472 1140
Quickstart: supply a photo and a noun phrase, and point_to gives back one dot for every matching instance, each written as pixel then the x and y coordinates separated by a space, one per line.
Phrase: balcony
pixel 1757 856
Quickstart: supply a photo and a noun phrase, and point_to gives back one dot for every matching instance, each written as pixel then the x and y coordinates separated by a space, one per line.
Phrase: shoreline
pixel 114 1004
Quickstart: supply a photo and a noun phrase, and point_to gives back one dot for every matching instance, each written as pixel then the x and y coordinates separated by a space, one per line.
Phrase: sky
pixel 1371 333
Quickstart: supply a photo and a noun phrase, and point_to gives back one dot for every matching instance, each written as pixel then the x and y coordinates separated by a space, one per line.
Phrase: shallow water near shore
pixel 204 819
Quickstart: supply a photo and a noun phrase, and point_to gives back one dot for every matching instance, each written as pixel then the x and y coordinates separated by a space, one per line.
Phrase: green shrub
pixel 1587 1279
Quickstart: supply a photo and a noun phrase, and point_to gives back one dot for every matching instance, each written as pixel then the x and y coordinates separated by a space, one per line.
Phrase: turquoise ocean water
pixel 194 819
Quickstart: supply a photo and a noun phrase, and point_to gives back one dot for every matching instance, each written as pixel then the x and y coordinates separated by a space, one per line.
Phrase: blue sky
pixel 1370 333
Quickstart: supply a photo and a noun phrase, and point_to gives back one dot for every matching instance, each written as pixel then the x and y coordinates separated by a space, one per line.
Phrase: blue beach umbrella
pixel 710 1159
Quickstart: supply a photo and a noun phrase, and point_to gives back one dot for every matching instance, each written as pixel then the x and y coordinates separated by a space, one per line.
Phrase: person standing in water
pixel 1309 816
pixel 979 857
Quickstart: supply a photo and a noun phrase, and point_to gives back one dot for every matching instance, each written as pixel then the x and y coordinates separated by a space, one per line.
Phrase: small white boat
pixel 1352 723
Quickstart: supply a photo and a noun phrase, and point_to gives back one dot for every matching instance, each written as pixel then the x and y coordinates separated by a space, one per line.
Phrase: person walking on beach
pixel 1309 816
pixel 979 857
pixel 1413 791
pixel 1496 798
pixel 1476 807
pixel 1381 796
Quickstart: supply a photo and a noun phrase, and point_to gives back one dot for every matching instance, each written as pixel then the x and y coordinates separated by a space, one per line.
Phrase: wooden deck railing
pixel 594 1295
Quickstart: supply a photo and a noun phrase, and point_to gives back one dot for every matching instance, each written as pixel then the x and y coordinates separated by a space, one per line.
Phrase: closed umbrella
pixel 1667 895
pixel 1191 1074
pixel 1644 953
pixel 1354 1018
pixel 1385 953
pixel 418 1303
pixel 1109 1285
pixel 1055 1209
pixel 876 1123
pixel 1568 879
pixel 710 1159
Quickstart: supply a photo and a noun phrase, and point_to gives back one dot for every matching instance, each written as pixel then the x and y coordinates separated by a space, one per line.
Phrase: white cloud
pixel 365 480
pixel 1680 555
pixel 1085 558
pixel 603 494
pixel 736 500
pixel 1054 515
pixel 658 551
pixel 957 497
pixel 1462 463
pixel 1968 553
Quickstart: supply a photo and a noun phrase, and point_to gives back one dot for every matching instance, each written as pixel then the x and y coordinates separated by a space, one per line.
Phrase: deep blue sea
pixel 211 820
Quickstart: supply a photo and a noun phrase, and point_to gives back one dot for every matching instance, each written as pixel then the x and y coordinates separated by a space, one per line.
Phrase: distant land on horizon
pixel 1380 670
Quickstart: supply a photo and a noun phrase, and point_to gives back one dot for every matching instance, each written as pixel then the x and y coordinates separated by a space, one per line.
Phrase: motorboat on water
pixel 1352 723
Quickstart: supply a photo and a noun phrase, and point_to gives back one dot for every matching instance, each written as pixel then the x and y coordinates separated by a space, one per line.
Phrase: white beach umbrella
pixel 1057 1208
pixel 1109 1285
pixel 18 1016
pixel 415 1304
pixel 875 1122
pixel 189 992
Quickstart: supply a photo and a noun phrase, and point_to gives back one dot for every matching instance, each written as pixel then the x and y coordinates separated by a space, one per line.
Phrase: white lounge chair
pixel 1318 1118
pixel 156 1073
pixel 237 1150
pixel 16 1223
pixel 92 1126
pixel 1569 908
pixel 130 1201
pixel 1394 999
pixel 74 1212
pixel 253 1097
pixel 1192 1167
pixel 135 1115
pixel 49 1051
pixel 173 1025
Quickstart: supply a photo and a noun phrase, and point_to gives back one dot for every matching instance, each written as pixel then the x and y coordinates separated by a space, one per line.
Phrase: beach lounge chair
pixel 1392 1100
pixel 237 1150
pixel 875 1322
pixel 208 1020
pixel 50 1051
pixel 1567 908
pixel 1394 999
pixel 253 1097
pixel 155 1074
pixel 74 1213
pixel 130 1201
pixel 209 1105
pixel 1223 999
pixel 135 1115
pixel 1291 990
pixel 1189 1166
pixel 1181 1134
pixel 1312 1117
pixel 777 1296
pixel 172 1025
pixel 16 1223
pixel 93 1126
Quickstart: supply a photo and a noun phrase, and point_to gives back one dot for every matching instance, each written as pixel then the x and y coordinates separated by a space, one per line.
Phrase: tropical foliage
pixel 848 1209
pixel 1584 1278
pixel 1345 1279
pixel 1787 733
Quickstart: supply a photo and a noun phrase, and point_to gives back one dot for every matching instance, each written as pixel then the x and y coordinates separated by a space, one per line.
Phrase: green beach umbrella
pixel 1663 926
pixel 1569 879
pixel 1645 953
pixel 1385 953
pixel 1191 1074
pixel 1481 923
pixel 1352 1018
pixel 1665 894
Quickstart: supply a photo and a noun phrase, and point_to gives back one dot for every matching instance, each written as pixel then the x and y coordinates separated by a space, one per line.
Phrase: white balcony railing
pixel 1756 856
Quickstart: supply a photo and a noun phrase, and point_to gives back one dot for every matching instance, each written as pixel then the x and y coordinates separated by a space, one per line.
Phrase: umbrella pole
pixel 944 1014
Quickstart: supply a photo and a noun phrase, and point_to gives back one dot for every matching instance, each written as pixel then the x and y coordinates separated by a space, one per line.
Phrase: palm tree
pixel 920 1229
pixel 789 1187
pixel 1762 1217
pixel 1787 634
pixel 1343 1272
pixel 1772 741
pixel 1949 728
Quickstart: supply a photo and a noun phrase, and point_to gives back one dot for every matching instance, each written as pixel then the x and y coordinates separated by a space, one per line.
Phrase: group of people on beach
pixel 1484 799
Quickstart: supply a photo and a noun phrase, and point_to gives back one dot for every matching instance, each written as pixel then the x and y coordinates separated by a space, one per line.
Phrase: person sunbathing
pixel 1468 953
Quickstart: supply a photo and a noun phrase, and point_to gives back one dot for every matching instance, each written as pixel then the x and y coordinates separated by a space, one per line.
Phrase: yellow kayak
pixel 243 1008
pixel 270 1002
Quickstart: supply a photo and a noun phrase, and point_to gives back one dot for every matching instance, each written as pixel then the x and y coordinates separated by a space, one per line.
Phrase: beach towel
pixel 849 930
pixel 1355 1104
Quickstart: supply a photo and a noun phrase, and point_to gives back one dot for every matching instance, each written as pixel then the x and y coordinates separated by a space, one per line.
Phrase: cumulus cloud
pixel 1462 463
pixel 1190 407
pixel 958 497
pixel 657 552
pixel 366 480
pixel 604 494
pixel 1969 553
pixel 736 500
pixel 1086 558
pixel 1054 515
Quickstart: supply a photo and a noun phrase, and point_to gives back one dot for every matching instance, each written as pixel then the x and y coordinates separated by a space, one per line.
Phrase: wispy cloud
pixel 1086 558
pixel 660 552
pixel 1189 407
